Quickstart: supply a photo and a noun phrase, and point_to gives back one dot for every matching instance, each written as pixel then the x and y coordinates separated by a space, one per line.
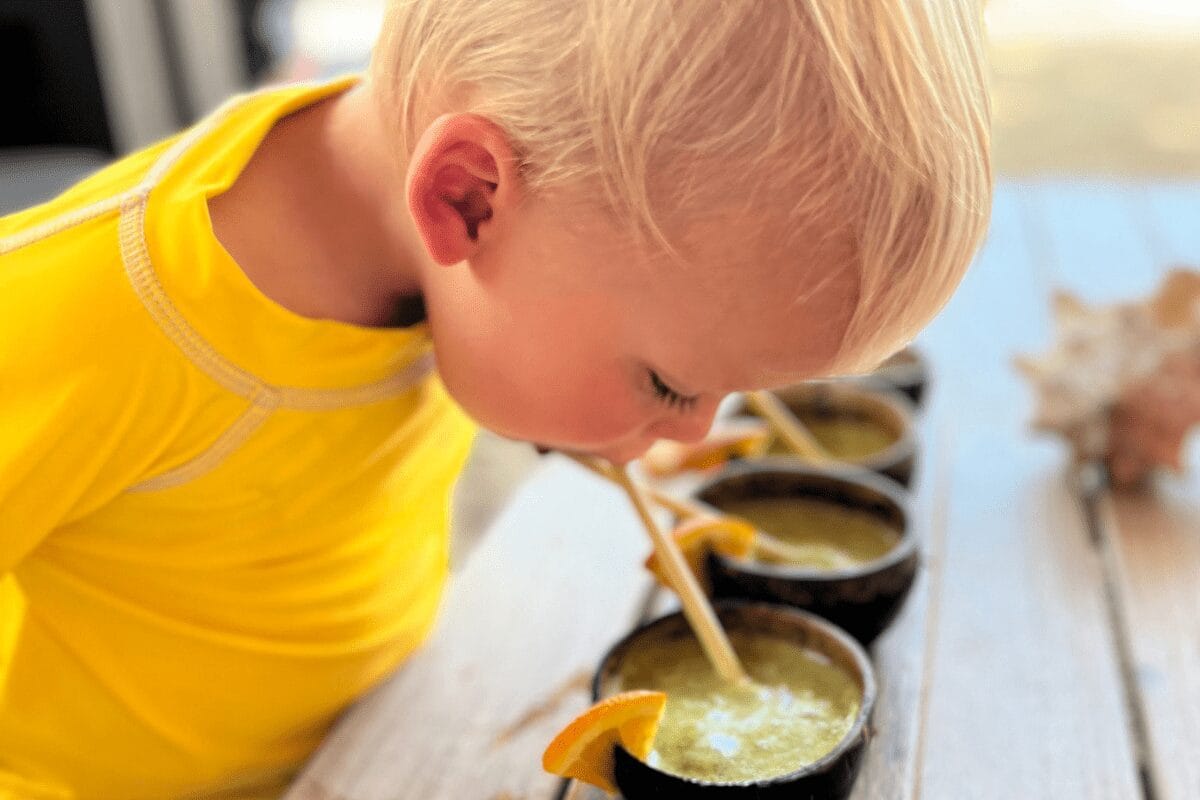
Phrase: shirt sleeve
pixel 79 420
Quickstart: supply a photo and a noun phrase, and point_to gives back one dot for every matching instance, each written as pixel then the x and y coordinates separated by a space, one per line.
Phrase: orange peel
pixel 583 750
pixel 740 439
pixel 696 537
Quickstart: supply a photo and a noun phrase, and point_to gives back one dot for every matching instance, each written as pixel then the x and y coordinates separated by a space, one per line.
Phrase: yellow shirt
pixel 220 522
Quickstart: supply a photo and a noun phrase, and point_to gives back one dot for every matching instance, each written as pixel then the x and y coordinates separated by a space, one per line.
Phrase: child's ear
pixel 461 181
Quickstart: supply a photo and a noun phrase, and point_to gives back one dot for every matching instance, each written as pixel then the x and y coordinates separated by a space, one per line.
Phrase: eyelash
pixel 669 396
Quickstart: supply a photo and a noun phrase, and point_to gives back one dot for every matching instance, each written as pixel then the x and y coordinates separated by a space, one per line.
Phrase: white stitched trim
pixel 328 399
pixel 263 405
pixel 233 437
pixel 136 255
pixel 264 398
pixel 98 209
pixel 69 220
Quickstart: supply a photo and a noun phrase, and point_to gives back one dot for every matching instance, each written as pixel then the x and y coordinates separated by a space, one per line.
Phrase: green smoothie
pixel 826 535
pixel 796 709
pixel 844 438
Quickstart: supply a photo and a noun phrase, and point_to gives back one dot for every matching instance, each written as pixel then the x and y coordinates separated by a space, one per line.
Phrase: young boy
pixel 225 456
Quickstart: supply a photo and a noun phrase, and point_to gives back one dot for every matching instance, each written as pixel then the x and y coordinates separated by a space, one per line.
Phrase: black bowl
pixel 906 372
pixel 829 778
pixel 864 598
pixel 833 401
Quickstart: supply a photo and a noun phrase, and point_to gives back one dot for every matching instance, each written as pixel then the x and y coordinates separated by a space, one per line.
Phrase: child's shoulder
pixel 64 256
pixel 212 151
pixel 125 266
pixel 86 199
pixel 101 230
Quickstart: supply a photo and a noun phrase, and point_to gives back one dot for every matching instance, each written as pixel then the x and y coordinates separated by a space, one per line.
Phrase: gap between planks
pixel 935 561
pixel 1060 270
pixel 1101 520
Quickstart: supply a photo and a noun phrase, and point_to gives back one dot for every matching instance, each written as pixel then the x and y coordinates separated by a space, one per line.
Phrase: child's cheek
pixel 609 412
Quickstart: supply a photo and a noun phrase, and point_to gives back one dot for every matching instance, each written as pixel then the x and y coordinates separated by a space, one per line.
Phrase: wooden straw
pixel 790 429
pixel 696 607
pixel 764 542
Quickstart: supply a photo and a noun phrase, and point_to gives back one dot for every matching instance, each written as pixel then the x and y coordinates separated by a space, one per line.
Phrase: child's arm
pixel 59 433
pixel 88 396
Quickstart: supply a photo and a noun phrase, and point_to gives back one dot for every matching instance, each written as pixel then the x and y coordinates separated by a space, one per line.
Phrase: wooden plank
pixel 1024 692
pixel 1026 699
pixel 889 765
pixel 999 309
pixel 1087 240
pixel 554 584
pixel 1156 558
pixel 1154 549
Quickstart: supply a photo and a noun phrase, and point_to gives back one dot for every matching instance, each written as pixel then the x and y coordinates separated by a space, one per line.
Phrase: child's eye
pixel 668 395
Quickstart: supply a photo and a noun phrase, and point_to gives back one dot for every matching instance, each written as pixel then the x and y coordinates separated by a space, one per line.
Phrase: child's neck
pixel 314 221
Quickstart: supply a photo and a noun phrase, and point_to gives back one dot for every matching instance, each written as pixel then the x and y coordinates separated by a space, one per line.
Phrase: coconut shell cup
pixel 863 598
pixel 831 403
pixel 829 778
pixel 906 372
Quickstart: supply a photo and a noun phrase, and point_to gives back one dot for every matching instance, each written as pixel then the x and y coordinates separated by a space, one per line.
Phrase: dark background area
pixel 51 84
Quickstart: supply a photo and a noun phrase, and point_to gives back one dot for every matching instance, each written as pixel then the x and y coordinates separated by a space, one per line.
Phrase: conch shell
pixel 1122 382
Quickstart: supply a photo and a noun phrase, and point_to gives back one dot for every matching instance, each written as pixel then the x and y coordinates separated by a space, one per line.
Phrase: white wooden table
pixel 1050 649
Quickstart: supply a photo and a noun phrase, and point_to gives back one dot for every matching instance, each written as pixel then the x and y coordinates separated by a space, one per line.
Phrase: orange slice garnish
pixel 584 749
pixel 736 439
pixel 696 537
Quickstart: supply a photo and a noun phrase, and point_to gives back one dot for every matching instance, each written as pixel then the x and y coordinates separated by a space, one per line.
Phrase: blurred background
pixel 1083 88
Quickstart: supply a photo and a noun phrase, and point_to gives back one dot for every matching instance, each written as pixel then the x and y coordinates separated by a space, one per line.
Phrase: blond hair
pixel 866 119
